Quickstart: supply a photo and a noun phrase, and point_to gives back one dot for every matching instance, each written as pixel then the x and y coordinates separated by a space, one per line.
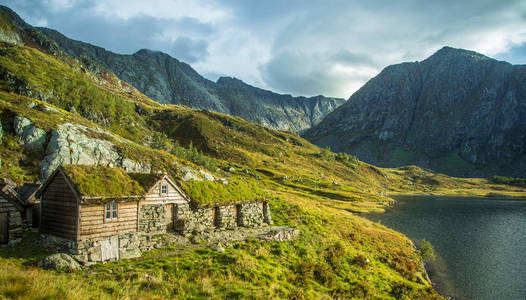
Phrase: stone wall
pixel 152 219
pixel 15 225
pixel 89 251
pixel 226 217
pixel 152 228
pixel 250 214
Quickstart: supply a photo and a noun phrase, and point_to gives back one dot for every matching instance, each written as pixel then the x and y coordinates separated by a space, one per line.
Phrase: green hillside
pixel 338 255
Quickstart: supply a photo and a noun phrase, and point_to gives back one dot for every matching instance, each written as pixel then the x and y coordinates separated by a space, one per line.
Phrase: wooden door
pixel 109 249
pixel 4 227
pixel 169 217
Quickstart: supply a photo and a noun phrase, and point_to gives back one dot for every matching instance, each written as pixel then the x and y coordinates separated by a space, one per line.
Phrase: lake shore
pixel 475 239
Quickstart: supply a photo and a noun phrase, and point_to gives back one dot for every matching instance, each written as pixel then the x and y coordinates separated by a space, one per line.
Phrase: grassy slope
pixel 330 258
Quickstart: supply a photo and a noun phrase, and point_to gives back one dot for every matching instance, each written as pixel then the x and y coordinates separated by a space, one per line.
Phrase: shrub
pixel 427 250
pixel 508 180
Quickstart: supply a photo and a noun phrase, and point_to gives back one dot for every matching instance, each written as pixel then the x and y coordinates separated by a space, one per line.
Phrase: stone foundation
pixel 151 232
pixel 89 251
pixel 195 220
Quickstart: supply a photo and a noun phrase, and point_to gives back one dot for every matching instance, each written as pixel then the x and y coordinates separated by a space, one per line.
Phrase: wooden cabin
pixel 90 205
pixel 11 209
pixel 101 213
pixel 27 193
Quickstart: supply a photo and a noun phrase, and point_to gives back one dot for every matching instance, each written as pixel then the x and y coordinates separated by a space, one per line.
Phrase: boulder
pixel 207 176
pixel 72 144
pixel 59 262
pixel 190 176
pixel 280 233
pixel 29 136
pixel 218 248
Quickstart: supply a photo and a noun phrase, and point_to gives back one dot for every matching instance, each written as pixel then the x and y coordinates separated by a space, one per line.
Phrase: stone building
pixel 101 213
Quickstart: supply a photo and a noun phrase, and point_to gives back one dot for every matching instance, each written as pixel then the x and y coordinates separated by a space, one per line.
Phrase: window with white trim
pixel 111 211
pixel 164 190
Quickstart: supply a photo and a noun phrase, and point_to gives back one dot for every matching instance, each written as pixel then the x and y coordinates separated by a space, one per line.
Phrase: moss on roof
pixel 146 180
pixel 213 192
pixel 106 182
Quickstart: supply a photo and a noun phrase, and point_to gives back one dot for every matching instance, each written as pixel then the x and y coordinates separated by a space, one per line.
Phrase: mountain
pixel 167 80
pixel 457 112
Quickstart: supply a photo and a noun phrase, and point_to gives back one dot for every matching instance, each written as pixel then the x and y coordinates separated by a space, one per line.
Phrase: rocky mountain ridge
pixel 169 81
pixel 457 112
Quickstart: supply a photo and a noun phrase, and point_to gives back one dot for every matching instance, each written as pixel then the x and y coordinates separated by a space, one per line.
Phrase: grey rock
pixel 218 248
pixel 70 144
pixel 457 112
pixel 280 233
pixel 130 253
pixel 188 176
pixel 59 262
pixel 169 81
pixel 207 176
pixel 223 180
pixel 29 136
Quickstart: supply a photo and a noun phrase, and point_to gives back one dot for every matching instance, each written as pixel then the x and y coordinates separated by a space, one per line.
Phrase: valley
pixel 80 111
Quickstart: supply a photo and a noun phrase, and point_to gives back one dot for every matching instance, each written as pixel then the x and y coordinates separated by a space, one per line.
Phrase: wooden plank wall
pixel 93 224
pixel 59 209
pixel 173 196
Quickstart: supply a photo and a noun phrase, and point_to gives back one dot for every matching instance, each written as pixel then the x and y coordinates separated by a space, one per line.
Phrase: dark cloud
pixel 189 50
pixel 294 46
pixel 295 72
pixel 122 35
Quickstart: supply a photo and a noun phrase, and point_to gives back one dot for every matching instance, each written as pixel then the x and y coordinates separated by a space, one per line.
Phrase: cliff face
pixel 457 112
pixel 167 80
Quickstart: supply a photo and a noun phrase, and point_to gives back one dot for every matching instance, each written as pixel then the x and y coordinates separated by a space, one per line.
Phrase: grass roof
pixel 212 192
pixel 107 182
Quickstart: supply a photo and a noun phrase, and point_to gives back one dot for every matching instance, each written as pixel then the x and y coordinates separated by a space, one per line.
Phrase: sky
pixel 298 47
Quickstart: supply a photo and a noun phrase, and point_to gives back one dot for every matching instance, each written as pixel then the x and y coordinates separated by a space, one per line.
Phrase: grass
pixel 210 192
pixel 338 254
pixel 103 181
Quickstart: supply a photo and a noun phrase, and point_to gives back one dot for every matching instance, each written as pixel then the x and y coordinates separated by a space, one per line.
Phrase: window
pixel 164 189
pixel 111 210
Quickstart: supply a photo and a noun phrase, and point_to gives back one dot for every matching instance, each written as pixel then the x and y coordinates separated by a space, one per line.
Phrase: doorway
pixel 4 228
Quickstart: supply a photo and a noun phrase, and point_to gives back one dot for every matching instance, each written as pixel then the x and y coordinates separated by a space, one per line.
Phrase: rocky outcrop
pixel 71 144
pixel 458 112
pixel 59 262
pixel 167 80
pixel 30 136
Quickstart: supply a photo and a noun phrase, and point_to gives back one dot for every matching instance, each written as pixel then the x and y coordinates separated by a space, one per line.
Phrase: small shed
pixel 11 209
pixel 97 212
pixel 31 214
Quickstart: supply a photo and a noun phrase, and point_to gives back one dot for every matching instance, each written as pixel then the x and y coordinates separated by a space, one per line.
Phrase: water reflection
pixel 481 243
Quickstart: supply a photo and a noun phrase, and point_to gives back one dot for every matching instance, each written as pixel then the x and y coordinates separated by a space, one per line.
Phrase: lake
pixel 481 242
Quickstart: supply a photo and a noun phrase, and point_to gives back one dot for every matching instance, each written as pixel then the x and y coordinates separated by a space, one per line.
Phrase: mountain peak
pixel 447 53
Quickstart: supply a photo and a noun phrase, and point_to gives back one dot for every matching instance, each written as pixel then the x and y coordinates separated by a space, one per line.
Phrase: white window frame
pixel 165 188
pixel 112 208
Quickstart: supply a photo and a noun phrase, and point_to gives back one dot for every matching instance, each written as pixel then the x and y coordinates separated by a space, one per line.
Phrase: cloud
pixel 189 50
pixel 299 47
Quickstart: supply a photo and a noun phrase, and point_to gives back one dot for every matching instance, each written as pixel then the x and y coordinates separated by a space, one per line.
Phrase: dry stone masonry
pixel 226 222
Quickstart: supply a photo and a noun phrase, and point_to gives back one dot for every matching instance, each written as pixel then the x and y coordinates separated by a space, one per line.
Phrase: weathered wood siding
pixel 59 211
pixel 93 223
pixel 172 195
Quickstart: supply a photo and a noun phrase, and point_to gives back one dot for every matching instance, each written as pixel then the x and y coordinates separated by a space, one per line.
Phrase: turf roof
pixel 107 182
